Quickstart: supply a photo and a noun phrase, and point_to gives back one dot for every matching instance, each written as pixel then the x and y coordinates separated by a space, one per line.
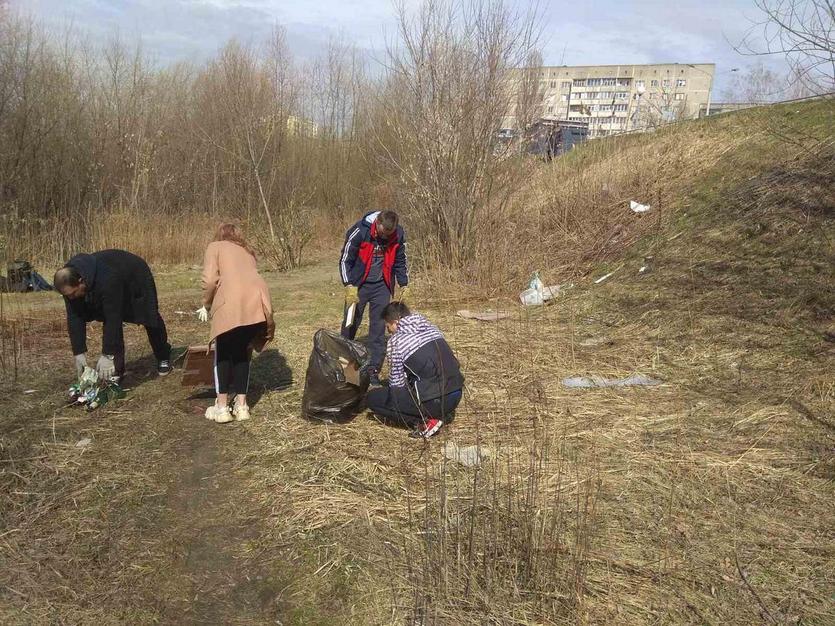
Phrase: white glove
pixel 202 314
pixel 80 364
pixel 105 367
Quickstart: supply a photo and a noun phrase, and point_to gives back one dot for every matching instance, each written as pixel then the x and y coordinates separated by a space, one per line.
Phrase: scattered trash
pixel 596 341
pixel 84 443
pixel 181 312
pixel 531 297
pixel 582 382
pixel 484 316
pixel 536 282
pixel 89 392
pixel 468 456
pixel 28 391
pixel 537 293
pixel 638 207
pixel 604 277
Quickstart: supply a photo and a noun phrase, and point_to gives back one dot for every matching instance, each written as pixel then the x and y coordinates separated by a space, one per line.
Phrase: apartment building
pixel 620 98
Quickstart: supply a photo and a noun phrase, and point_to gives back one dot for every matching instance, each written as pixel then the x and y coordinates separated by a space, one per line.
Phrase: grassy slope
pixel 706 500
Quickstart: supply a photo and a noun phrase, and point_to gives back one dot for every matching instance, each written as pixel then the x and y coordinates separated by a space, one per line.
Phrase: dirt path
pixel 157 513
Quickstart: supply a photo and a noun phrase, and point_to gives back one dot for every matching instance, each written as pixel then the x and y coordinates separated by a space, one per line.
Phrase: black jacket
pixel 120 288
pixel 433 371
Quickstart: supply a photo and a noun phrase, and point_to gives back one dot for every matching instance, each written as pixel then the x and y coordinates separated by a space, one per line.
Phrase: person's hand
pixel 351 295
pixel 404 292
pixel 202 314
pixel 105 367
pixel 270 334
pixel 80 364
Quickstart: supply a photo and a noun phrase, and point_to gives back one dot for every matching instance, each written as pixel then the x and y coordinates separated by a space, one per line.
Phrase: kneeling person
pixel 425 380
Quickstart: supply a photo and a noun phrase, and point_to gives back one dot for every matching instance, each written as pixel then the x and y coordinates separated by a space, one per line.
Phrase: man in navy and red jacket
pixel 373 257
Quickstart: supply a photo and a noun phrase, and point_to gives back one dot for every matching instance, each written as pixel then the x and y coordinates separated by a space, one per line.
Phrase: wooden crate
pixel 198 369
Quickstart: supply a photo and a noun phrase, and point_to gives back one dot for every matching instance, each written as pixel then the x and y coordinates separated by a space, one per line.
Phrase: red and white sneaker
pixel 430 428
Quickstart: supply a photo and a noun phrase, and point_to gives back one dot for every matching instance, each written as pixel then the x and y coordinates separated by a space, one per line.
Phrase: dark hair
pixel 67 276
pixel 395 311
pixel 388 220
pixel 230 232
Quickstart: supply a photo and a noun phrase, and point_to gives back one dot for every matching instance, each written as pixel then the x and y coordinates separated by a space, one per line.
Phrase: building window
pixel 621 95
pixel 679 96
pixel 566 84
pixel 665 83
pixel 654 83
pixel 605 95
pixel 620 107
pixel 564 97
pixel 579 82
pixel 681 82
pixel 594 82
pixel 550 109
pixel 639 84
pixel 553 84
pixel 624 82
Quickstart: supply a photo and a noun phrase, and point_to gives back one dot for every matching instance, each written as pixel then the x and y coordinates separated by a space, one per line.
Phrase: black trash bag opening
pixel 327 395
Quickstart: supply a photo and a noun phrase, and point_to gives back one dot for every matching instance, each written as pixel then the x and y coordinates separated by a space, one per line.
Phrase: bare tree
pixel 803 31
pixel 447 89
pixel 530 93
pixel 757 84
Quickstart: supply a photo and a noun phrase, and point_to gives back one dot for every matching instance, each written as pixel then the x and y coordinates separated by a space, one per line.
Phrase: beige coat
pixel 233 289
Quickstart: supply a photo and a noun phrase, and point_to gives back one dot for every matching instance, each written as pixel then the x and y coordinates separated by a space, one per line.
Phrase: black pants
pixel 157 337
pixel 232 356
pixel 377 295
pixel 398 405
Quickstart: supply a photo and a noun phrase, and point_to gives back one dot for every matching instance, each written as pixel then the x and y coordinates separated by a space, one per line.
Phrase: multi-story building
pixel 619 98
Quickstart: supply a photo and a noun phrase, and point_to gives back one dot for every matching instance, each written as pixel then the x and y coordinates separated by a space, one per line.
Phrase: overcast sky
pixel 575 32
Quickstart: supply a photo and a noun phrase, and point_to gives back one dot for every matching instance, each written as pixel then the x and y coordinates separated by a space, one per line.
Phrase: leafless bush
pixel 802 31
pixel 446 91
pixel 507 538
pixel 93 136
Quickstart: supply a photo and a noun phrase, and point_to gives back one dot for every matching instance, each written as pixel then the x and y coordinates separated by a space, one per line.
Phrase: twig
pixel 751 589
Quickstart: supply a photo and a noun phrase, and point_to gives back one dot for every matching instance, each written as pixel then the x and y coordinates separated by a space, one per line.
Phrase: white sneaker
pixel 219 414
pixel 241 412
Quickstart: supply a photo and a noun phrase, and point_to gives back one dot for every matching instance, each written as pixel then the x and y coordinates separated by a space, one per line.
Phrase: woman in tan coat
pixel 242 318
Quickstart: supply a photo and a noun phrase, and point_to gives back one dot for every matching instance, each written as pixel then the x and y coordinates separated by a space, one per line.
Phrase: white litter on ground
pixel 582 382
pixel 637 207
pixel 466 455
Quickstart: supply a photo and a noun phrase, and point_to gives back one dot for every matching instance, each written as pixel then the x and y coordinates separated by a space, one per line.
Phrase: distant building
pixel 301 126
pixel 618 98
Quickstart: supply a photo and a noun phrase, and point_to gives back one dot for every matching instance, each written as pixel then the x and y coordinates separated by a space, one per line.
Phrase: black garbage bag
pixel 327 394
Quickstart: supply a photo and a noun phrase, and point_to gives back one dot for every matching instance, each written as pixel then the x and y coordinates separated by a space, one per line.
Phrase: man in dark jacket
pixel 111 286
pixel 373 257
pixel 425 380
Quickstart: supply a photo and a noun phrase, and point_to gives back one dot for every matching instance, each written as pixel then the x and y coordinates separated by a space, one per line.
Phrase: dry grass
pixel 705 500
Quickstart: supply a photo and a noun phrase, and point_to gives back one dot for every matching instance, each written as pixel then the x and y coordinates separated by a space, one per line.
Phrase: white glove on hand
pixel 105 367
pixel 202 314
pixel 80 364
